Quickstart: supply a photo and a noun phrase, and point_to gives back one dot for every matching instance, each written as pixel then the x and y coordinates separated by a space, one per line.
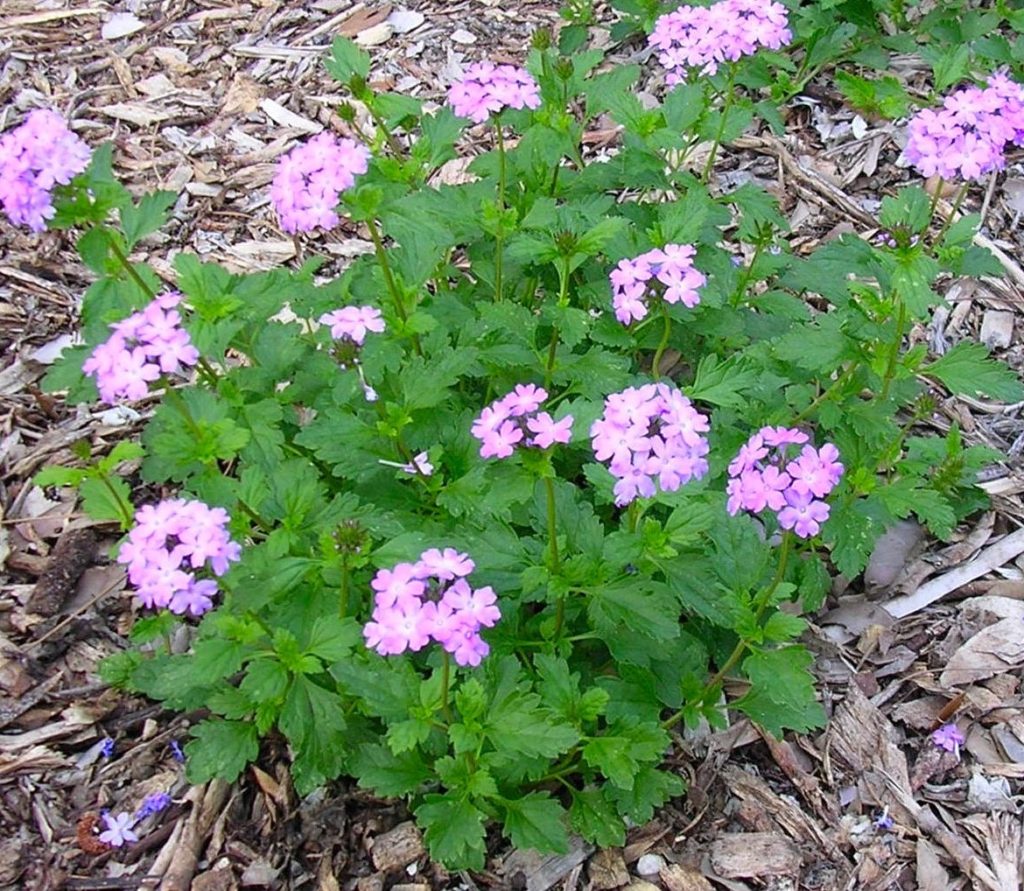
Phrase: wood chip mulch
pixel 201 97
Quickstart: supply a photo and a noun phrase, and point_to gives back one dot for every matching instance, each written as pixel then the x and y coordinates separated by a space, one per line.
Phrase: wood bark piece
pixel 74 552
pixel 738 855
pixel 398 847
pixel 208 801
pixel 999 554
pixel 676 877
pixel 863 738
pixel 542 871
pixel 992 651
pixel 607 870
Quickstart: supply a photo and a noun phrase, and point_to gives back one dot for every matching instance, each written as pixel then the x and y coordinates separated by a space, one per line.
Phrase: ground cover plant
pixel 453 524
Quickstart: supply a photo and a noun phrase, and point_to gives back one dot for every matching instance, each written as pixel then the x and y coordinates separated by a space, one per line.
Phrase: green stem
pixel 446 676
pixel 890 368
pixel 549 366
pixel 393 144
pixel 957 201
pixel 173 397
pixel 826 394
pixel 555 560
pixel 389 279
pixel 726 105
pixel 345 587
pixel 656 368
pixel 499 237
pixel 936 194
pixel 255 517
pixel 744 643
pixel 633 513
pixel 123 508
pixel 126 264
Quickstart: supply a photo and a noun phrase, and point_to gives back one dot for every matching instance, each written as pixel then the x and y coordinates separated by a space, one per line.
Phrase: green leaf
pixel 968 369
pixel 347 60
pixel 453 830
pixel 651 789
pixel 388 774
pixel 781 695
pixel 108 499
pixel 144 218
pixel 314 723
pixel 519 725
pixel 612 755
pixel 722 383
pixel 634 604
pixel 884 96
pixel 54 475
pixel 220 749
pixel 332 639
pixel 594 817
pixel 536 821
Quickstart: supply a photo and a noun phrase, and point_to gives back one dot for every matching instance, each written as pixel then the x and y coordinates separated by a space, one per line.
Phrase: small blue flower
pixel 883 822
pixel 153 804
pixel 107 747
pixel 176 751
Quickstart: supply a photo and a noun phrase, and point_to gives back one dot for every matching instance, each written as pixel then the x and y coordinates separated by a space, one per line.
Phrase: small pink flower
pixel 353 323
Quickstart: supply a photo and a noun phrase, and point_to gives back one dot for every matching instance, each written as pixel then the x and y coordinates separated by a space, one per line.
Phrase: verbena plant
pixel 482 519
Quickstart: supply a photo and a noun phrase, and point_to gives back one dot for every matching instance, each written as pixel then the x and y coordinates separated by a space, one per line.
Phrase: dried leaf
pixel 993 650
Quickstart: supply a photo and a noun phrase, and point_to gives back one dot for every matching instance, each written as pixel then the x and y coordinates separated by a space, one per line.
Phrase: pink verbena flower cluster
pixel 635 281
pixel 515 419
pixel 429 600
pixel 967 136
pixel 311 176
pixel 762 476
pixel 147 344
pixel 169 542
pixel 34 158
pixel 703 37
pixel 353 323
pixel 650 433
pixel 487 89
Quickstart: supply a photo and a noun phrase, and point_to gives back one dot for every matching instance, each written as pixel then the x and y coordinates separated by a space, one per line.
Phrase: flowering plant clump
pixel 431 599
pixel 650 432
pixel 968 135
pixel 168 543
pixel 311 176
pixel 670 267
pixel 516 419
pixel 703 37
pixel 35 158
pixel 144 346
pixel 487 89
pixel 763 477
pixel 621 582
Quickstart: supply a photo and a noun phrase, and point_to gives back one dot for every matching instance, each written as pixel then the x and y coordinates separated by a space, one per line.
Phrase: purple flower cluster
pixel 429 600
pixel 650 432
pixel 147 344
pixel 967 136
pixel 703 37
pixel 487 89
pixel 515 419
pixel 353 323
pixel 311 176
pixel 34 158
pixel 152 804
pixel 762 476
pixel 168 543
pixel 949 738
pixel 670 267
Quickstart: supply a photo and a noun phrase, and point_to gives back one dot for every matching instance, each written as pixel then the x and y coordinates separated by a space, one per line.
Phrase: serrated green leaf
pixel 347 60
pixel 388 774
pixel 145 217
pixel 781 695
pixel 651 789
pixel 594 817
pixel 314 723
pixel 220 749
pixel 968 369
pixel 453 830
pixel 536 821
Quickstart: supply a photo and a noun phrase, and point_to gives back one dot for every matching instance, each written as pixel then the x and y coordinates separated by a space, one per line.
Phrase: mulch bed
pixel 201 98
